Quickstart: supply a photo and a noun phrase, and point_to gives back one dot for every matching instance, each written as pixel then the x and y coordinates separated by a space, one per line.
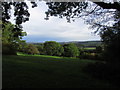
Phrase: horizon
pixel 69 41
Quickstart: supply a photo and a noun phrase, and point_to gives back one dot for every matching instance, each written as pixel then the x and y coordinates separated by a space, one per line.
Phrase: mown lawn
pixel 40 71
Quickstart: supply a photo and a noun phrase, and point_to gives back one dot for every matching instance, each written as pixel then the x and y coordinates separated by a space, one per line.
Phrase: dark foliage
pixel 65 9
pixel 41 48
pixel 53 48
pixel 11 37
pixel 9 49
pixel 111 38
pixel 21 13
pixel 105 71
pixel 70 50
pixel 31 49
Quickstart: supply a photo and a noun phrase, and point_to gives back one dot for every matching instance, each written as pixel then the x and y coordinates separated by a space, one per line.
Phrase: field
pixel 89 48
pixel 40 71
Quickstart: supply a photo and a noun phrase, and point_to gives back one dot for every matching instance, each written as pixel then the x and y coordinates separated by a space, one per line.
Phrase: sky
pixel 55 29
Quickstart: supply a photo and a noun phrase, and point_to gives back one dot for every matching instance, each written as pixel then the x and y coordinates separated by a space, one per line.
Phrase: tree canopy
pixel 11 37
pixel 70 50
pixel 31 49
pixel 53 48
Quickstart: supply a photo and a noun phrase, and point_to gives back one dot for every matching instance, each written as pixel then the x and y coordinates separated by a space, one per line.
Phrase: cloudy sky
pixel 55 29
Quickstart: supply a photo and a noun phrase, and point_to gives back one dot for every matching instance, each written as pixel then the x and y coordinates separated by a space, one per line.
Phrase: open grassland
pixel 40 71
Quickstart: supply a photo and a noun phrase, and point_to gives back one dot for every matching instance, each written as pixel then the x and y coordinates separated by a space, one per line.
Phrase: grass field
pixel 89 48
pixel 40 71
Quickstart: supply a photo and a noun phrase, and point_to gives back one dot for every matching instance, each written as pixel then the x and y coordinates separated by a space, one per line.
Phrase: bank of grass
pixel 40 71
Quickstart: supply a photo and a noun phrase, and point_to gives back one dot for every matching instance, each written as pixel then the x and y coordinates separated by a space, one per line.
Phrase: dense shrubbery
pixel 95 54
pixel 92 56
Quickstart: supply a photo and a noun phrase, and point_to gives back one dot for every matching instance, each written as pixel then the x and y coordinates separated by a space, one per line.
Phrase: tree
pixel 31 49
pixel 109 5
pixel 88 9
pixel 61 9
pixel 11 36
pixel 98 49
pixel 22 46
pixel 103 17
pixel 70 10
pixel 53 48
pixel 21 13
pixel 111 39
pixel 70 50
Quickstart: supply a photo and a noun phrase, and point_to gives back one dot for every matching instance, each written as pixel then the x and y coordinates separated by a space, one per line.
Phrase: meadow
pixel 41 71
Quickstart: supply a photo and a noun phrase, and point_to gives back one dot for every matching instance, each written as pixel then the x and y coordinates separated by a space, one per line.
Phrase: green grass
pixel 89 48
pixel 40 71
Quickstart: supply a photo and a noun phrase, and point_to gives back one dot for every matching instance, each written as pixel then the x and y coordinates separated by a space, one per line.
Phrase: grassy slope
pixel 46 72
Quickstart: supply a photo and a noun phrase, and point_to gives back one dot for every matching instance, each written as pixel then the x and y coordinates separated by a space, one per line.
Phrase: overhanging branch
pixel 114 5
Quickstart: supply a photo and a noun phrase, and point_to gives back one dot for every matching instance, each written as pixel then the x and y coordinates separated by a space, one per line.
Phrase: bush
pixel 8 49
pixel 90 55
pixel 31 49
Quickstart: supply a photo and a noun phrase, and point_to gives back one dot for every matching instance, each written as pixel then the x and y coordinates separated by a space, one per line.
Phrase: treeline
pixel 12 43
pixel 51 48
pixel 54 48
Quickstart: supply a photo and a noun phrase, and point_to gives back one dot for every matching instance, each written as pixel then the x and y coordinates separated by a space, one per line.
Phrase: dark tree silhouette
pixel 115 5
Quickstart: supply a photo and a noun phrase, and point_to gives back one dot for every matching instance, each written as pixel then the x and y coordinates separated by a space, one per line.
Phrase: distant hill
pixel 78 43
pixel 84 43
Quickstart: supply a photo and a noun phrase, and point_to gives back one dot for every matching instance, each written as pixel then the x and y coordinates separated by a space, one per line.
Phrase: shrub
pixel 8 49
pixel 31 49
pixel 91 56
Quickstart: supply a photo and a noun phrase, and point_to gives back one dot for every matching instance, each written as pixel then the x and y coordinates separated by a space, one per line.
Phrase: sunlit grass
pixel 89 48
pixel 46 56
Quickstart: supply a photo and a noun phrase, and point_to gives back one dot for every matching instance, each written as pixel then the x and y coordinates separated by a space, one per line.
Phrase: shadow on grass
pixel 105 71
